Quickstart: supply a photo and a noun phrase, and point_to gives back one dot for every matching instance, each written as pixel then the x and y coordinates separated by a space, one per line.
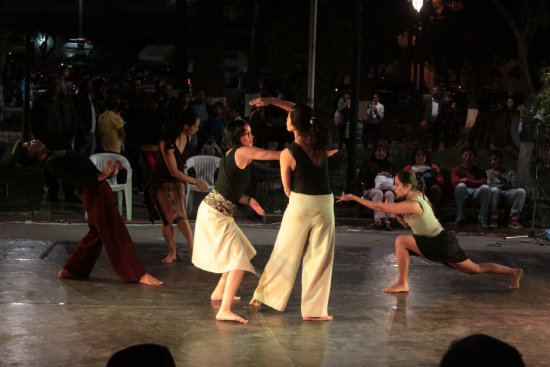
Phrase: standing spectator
pixel 150 128
pixel 234 113
pixel 469 183
pixel 65 74
pixel 110 127
pixel 430 125
pixel 342 117
pixel 450 119
pixel 218 123
pixel 376 181
pixel 372 129
pixel 87 112
pixel 99 95
pixel 429 175
pixel 54 120
pixel 137 101
pixel 503 187
pixel 204 110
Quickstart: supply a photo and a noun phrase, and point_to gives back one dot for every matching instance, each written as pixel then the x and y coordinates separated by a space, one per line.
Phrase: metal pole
pixel 356 75
pixel 28 63
pixel 80 25
pixel 312 44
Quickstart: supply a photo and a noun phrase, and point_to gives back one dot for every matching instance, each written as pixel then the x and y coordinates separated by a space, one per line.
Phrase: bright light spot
pixel 417 4
pixel 336 89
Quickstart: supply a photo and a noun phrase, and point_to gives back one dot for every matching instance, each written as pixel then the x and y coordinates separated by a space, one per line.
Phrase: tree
pixel 529 16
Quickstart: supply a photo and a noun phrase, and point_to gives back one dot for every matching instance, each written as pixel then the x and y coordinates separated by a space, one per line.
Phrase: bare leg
pixel 217 295
pixel 470 267
pixel 232 283
pixel 403 244
pixel 168 233
pixel 185 229
pixel 149 280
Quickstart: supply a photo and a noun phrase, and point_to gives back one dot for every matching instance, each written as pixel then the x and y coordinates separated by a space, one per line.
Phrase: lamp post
pixel 418 74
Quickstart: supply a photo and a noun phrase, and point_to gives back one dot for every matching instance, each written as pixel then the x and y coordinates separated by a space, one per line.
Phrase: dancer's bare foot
pixel 255 303
pixel 65 274
pixel 518 273
pixel 149 280
pixel 230 316
pixel 171 257
pixel 322 318
pixel 218 297
pixel 397 288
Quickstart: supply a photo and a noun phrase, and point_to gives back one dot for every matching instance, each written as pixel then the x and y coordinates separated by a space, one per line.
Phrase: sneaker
pixel 378 224
pixel 514 224
pixel 484 223
pixel 458 222
pixel 387 225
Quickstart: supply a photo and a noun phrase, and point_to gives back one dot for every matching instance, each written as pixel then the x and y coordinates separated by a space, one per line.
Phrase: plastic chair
pixel 205 167
pixel 99 160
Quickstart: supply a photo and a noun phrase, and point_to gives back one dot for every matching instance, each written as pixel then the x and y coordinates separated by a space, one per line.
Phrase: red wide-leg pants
pixel 107 228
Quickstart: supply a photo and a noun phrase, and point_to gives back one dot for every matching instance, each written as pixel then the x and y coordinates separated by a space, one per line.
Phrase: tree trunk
pixel 524 164
pixel 252 85
pixel 209 63
pixel 526 82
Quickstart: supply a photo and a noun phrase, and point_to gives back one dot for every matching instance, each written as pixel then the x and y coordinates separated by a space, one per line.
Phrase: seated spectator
pixel 481 350
pixel 211 148
pixel 217 123
pixel 503 187
pixel 376 180
pixel 110 127
pixel 469 183
pixel 429 175
pixel 150 128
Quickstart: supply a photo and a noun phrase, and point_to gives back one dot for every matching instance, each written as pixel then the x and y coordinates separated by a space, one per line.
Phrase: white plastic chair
pixel 99 160
pixel 205 166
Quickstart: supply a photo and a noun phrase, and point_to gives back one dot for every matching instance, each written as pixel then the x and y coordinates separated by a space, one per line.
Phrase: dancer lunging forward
pixel 429 239
pixel 307 228
pixel 220 245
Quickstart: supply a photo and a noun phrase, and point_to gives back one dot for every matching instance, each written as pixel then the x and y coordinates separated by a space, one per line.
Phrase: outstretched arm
pixel 268 101
pixel 404 207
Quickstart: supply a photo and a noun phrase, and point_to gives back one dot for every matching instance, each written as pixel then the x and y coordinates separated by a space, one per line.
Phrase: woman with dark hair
pixel 307 228
pixel 220 245
pixel 429 239
pixel 375 179
pixel 429 177
pixel 166 186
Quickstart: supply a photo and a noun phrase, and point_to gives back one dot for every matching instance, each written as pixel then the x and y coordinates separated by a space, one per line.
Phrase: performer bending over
pixel 307 228
pixel 106 224
pixel 429 239
pixel 166 186
pixel 220 245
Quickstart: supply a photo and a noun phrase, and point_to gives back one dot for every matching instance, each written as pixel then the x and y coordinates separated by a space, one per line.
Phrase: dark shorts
pixel 443 248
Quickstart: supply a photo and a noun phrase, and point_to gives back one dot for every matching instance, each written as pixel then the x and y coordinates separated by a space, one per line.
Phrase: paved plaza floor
pixel 49 322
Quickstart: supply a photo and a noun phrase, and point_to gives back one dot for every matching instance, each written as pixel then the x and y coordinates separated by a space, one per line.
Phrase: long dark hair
pixel 173 129
pixel 407 177
pixel 232 134
pixel 315 132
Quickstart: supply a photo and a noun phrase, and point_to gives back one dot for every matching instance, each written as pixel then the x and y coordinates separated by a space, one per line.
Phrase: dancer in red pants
pixel 106 224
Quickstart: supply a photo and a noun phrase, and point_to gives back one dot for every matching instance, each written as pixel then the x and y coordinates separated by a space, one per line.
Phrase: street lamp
pixel 417 5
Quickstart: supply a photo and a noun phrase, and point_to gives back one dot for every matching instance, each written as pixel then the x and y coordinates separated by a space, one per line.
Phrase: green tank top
pixel 425 224
pixel 309 178
pixel 232 181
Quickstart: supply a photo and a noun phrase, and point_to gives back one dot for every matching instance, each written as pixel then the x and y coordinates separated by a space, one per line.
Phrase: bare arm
pixel 170 160
pixel 404 207
pixel 267 101
pixel 400 219
pixel 288 164
pixel 244 155
pixel 248 200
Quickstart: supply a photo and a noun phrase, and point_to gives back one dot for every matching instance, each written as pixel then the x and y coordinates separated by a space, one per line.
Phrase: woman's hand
pixel 345 197
pixel 201 185
pixel 256 207
pixel 259 102
pixel 117 166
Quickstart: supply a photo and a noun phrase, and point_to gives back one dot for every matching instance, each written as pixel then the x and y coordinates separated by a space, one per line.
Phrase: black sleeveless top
pixel 308 178
pixel 232 181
